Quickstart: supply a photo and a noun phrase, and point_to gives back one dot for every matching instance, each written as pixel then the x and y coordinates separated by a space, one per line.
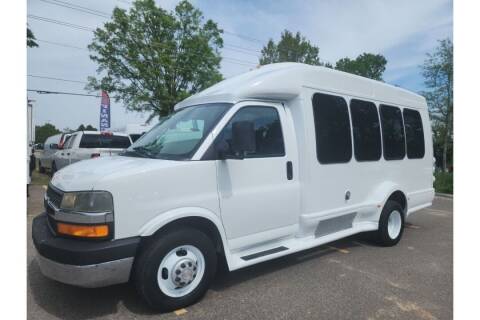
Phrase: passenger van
pixel 277 160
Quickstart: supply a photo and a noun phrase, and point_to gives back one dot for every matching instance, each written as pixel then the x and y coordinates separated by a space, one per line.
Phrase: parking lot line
pixel 339 249
pixel 180 312
pixel 411 226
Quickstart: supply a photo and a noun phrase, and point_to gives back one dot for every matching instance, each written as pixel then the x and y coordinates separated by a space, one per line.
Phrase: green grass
pixel 39 178
pixel 443 182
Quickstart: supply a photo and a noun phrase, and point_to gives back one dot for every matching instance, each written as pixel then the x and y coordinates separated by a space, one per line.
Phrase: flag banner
pixel 105 112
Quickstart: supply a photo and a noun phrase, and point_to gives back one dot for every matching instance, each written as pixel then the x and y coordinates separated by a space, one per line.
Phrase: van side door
pixel 259 195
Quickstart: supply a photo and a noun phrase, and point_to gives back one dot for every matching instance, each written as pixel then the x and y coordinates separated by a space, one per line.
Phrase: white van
pixel 50 147
pixel 278 160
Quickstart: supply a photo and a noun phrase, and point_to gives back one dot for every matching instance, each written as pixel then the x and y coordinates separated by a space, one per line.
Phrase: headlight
pixel 87 201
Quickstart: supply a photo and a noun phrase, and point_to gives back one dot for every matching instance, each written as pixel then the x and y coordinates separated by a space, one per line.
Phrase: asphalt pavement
pixel 347 279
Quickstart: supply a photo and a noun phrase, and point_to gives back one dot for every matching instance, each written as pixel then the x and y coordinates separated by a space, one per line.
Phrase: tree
pixel 45 131
pixel 31 39
pixel 290 48
pixel 437 71
pixel 366 65
pixel 88 127
pixel 151 59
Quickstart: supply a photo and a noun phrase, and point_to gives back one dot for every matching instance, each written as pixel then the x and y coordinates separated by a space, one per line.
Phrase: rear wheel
pixel 391 224
pixel 175 269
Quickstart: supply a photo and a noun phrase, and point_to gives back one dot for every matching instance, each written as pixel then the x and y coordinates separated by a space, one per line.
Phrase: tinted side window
pixel 414 134
pixel 104 141
pixel 392 131
pixel 268 131
pixel 367 141
pixel 332 129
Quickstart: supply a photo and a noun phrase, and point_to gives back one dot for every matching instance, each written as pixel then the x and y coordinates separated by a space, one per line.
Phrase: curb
pixel 444 195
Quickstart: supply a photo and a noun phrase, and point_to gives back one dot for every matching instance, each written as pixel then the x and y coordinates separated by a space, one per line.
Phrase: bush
pixel 443 182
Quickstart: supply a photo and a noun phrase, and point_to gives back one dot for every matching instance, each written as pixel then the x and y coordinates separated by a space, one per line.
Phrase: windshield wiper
pixel 145 152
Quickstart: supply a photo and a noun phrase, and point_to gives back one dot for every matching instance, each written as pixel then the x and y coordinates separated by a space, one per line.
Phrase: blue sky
pixel 403 31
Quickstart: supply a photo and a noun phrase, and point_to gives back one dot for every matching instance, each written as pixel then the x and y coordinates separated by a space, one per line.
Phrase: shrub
pixel 443 182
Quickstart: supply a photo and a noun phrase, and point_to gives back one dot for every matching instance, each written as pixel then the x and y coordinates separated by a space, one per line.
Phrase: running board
pixel 264 253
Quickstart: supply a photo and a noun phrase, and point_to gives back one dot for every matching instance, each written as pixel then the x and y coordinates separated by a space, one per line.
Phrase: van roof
pixel 284 81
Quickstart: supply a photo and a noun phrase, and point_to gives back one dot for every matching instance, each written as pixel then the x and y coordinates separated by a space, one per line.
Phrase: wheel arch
pixel 198 218
pixel 400 197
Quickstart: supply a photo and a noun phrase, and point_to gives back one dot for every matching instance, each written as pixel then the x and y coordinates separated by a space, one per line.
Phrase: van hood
pixel 87 174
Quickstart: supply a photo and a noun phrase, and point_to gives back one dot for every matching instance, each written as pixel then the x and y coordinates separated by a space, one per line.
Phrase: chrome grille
pixel 54 195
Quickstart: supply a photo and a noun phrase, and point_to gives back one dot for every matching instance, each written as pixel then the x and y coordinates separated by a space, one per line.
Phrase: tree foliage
pixel 296 48
pixel 31 39
pixel 366 65
pixel 150 59
pixel 88 127
pixel 45 131
pixel 290 48
pixel 437 71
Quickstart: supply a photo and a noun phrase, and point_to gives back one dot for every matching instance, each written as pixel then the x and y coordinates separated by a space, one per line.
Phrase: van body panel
pixel 261 213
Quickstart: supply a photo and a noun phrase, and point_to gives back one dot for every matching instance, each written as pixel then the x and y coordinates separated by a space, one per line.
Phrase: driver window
pixel 268 131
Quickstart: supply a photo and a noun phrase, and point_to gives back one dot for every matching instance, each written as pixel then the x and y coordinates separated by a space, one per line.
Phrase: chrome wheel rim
pixel 181 271
pixel 394 224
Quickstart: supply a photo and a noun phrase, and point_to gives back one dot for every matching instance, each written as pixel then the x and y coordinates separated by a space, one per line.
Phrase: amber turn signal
pixel 86 231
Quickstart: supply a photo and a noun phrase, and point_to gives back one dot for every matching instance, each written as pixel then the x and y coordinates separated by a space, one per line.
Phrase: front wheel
pixel 175 269
pixel 391 224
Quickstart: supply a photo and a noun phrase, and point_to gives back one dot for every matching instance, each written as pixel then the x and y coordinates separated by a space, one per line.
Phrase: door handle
pixel 68 154
pixel 63 154
pixel 289 170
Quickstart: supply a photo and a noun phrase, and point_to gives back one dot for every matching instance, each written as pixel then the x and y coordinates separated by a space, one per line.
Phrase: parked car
pixel 83 145
pixel 49 148
pixel 278 160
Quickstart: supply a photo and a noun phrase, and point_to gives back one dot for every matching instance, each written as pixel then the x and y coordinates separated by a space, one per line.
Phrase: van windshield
pixel 178 136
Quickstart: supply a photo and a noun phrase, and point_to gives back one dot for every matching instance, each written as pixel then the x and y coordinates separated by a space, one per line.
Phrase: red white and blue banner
pixel 105 112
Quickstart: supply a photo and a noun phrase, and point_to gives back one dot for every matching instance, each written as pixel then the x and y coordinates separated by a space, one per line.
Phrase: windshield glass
pixel 179 136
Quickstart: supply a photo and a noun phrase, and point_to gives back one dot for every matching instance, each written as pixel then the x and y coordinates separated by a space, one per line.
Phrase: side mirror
pixel 54 146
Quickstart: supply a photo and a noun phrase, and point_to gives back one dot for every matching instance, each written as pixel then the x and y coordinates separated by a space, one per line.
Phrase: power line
pixel 77 8
pixel 232 60
pixel 61 44
pixel 243 36
pixel 57 79
pixel 62 23
pixel 62 92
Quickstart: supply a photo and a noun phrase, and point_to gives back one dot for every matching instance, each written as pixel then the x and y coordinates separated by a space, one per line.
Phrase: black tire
pixel 381 236
pixel 54 168
pixel 40 168
pixel 148 262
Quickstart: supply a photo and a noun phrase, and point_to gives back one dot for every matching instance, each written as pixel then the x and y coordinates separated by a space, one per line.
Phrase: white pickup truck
pixel 83 145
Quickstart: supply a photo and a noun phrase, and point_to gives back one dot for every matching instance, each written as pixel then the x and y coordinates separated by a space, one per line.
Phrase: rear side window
pixel 268 131
pixel 104 141
pixel 392 131
pixel 414 134
pixel 332 129
pixel 366 131
pixel 66 143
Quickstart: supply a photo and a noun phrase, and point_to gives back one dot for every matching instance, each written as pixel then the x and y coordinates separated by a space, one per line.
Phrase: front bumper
pixel 83 263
